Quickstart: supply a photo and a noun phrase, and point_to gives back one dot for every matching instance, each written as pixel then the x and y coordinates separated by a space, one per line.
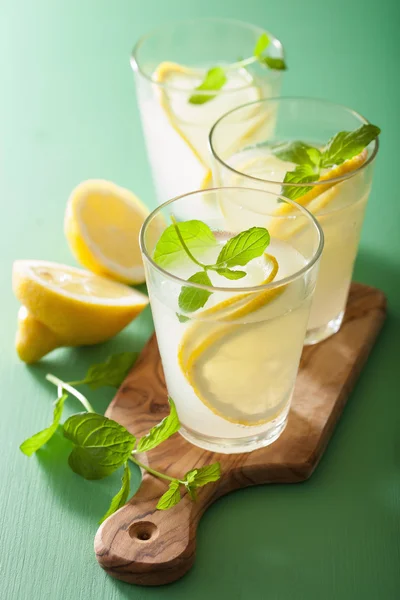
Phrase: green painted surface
pixel 67 113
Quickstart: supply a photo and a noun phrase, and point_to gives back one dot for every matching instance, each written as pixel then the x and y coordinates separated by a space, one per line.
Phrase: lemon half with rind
pixel 66 306
pixel 102 224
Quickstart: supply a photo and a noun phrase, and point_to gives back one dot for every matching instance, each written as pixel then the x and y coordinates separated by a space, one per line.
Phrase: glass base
pixel 273 430
pixel 318 334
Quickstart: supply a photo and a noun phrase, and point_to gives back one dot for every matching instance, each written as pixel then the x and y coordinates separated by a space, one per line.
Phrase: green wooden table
pixel 68 113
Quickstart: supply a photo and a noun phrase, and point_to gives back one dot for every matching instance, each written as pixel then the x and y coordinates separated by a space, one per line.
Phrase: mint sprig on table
pixel 310 160
pixel 181 240
pixel 101 446
pixel 216 77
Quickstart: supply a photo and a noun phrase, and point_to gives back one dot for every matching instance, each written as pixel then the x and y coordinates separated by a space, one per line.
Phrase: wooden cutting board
pixel 142 545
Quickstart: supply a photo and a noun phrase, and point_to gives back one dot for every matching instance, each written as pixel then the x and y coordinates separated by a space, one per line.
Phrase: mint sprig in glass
pixel 230 300
pixel 321 155
pixel 187 75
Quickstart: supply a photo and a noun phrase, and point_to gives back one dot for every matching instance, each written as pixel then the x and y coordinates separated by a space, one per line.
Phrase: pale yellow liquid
pixel 244 380
pixel 341 218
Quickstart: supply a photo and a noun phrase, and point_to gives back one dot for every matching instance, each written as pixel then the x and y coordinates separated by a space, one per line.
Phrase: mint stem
pixel 152 471
pixel 241 63
pixel 186 249
pixel 67 387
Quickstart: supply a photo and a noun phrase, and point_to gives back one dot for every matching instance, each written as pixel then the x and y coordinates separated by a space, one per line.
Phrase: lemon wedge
pixel 65 306
pixel 102 224
pixel 218 360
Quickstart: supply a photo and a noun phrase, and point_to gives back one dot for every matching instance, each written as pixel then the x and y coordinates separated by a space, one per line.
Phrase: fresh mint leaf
pixel 347 144
pixel 214 80
pixel 261 45
pixel 161 432
pixel 230 274
pixel 301 174
pixel 277 64
pixel 297 152
pixel 39 439
pixel 101 445
pixel 171 497
pixel 199 477
pixel 191 298
pixel 315 156
pixel 182 318
pixel 242 248
pixel 121 496
pixel 110 373
pixel 196 235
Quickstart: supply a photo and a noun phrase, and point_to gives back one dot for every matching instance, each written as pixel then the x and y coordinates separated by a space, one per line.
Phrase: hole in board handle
pixel 143 531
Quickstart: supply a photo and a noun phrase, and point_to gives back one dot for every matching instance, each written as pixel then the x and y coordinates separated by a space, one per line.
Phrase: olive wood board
pixel 140 544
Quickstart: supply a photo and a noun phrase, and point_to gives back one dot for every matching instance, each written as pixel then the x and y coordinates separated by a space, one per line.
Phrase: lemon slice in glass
pixel 219 360
pixel 192 122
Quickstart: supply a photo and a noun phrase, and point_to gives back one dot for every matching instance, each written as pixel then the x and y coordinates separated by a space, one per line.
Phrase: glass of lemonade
pixel 230 313
pixel 337 195
pixel 169 64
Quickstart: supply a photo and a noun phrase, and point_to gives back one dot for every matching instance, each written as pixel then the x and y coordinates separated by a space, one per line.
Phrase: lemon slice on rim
pixel 316 200
pixel 102 224
pixel 210 353
pixel 65 306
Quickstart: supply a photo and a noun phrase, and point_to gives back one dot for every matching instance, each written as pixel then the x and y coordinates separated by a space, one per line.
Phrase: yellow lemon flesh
pixel 102 224
pixel 212 354
pixel 65 306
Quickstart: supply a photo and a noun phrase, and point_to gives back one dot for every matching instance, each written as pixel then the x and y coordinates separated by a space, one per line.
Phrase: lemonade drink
pixel 337 198
pixel 231 352
pixel 169 65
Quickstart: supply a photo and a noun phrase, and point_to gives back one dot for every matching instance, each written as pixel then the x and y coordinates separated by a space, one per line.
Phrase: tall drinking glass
pixel 169 63
pixel 338 198
pixel 230 348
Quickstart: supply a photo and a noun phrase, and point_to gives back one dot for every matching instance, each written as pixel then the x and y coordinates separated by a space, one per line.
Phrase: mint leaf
pixel 161 432
pixel 214 80
pixel 278 64
pixel 121 496
pixel 347 144
pixel 301 174
pixel 110 373
pixel 39 439
pixel 261 45
pixel 203 475
pixel 171 497
pixel 196 235
pixel 229 274
pixel 182 318
pixel 297 152
pixel 101 445
pixel 191 298
pixel 242 248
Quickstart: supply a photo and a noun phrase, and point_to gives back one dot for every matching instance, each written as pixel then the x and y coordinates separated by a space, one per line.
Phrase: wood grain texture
pixel 141 545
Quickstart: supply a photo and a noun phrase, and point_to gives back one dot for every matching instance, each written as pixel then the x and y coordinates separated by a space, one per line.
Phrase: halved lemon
pixel 65 306
pixel 102 224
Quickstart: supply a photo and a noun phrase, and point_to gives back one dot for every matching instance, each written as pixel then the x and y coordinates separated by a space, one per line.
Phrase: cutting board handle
pixel 146 546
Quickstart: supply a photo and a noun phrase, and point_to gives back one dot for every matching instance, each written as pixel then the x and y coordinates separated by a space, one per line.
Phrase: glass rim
pixel 277 99
pixel 135 63
pixel 255 288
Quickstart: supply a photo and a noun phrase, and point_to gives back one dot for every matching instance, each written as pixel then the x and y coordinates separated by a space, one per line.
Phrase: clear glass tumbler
pixel 231 347
pixel 169 63
pixel 338 199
